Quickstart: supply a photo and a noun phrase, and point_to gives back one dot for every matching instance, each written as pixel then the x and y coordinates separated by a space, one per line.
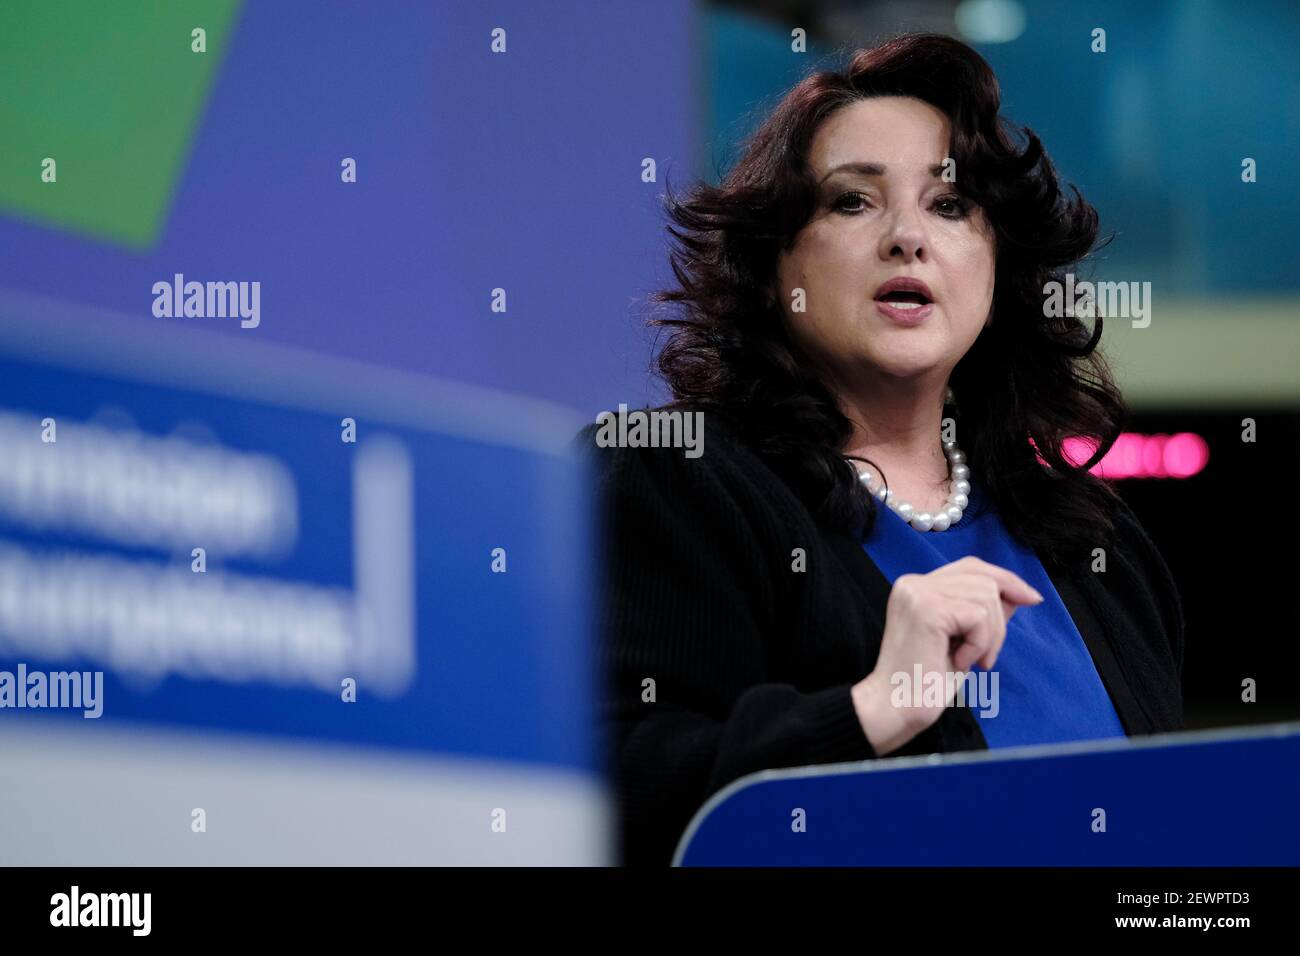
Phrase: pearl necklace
pixel 949 515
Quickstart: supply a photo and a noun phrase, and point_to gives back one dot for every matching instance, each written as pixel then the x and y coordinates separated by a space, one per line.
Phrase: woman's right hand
pixel 945 621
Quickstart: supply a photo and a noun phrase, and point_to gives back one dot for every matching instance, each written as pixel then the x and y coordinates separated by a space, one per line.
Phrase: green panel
pixel 1209 353
pixel 113 93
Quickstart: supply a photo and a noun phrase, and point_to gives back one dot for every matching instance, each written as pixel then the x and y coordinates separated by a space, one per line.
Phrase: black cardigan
pixel 752 662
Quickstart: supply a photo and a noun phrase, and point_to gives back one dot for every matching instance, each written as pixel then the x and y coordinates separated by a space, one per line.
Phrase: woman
pixel 882 500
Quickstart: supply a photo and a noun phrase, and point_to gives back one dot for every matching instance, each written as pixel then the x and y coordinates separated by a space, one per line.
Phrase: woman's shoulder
pixel 688 466
pixel 675 443
pixel 1142 568
pixel 1132 539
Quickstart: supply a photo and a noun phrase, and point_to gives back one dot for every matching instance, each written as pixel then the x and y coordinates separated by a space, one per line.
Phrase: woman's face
pixel 892 217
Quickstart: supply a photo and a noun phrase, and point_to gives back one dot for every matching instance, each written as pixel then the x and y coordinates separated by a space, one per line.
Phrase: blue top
pixel 1045 687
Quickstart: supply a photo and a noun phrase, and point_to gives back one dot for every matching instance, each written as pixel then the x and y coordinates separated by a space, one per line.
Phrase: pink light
pixel 1186 454
pixel 1135 455
pixel 1153 456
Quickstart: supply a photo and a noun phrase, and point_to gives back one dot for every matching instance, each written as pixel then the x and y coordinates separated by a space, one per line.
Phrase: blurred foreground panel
pixel 263 607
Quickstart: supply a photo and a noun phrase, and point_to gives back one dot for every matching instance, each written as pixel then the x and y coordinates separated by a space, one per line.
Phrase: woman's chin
pixel 903 364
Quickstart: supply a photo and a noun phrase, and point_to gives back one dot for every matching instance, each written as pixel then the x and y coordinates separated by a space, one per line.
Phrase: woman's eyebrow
pixel 863 169
pixel 871 169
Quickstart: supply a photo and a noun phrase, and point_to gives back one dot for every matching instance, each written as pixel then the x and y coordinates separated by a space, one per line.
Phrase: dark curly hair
pixel 1027 384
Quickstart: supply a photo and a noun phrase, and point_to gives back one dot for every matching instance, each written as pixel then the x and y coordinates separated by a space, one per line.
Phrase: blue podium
pixel 1227 797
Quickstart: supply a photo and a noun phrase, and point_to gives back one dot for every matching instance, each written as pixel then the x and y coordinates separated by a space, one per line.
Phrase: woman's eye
pixel 849 198
pixel 951 207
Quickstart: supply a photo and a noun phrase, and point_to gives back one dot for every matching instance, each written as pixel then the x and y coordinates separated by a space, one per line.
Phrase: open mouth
pixel 904 294
pixel 904 299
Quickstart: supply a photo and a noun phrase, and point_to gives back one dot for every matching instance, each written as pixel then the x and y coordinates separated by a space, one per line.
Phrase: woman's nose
pixel 904 239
